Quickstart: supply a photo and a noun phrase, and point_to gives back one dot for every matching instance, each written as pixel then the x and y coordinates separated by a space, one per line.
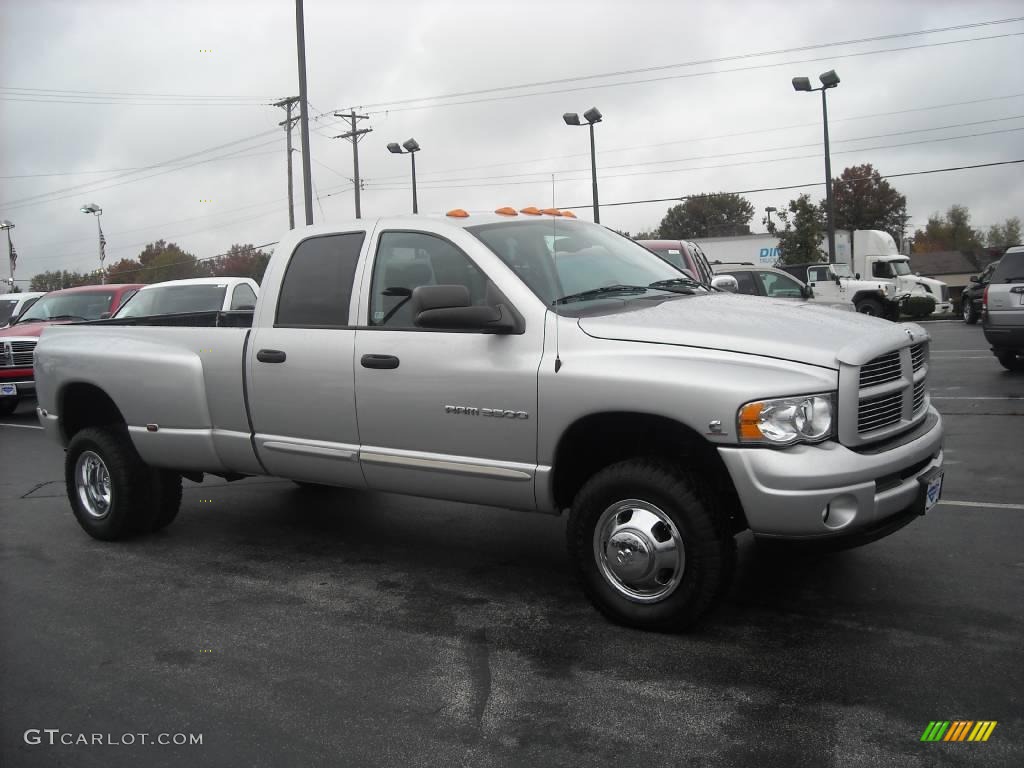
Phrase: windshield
pixel 842 270
pixel 7 309
pixel 557 258
pixel 901 267
pixel 1010 268
pixel 70 306
pixel 174 299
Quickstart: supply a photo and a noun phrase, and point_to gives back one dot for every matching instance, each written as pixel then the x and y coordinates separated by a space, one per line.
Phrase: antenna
pixel 558 359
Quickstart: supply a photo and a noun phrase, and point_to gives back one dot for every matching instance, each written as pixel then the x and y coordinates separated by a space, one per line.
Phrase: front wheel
pixel 969 313
pixel 872 307
pixel 1010 360
pixel 647 548
pixel 113 493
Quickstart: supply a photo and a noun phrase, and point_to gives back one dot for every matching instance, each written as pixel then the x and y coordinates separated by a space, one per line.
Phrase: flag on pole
pixel 14 256
pixel 103 243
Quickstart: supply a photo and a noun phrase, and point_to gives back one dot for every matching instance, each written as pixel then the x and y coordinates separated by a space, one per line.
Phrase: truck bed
pixel 182 374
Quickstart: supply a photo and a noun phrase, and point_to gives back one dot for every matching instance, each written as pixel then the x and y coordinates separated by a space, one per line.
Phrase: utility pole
pixel 354 135
pixel 288 123
pixel 307 177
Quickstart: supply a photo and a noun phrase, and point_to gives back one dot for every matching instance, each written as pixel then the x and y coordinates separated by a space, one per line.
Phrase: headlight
pixel 786 420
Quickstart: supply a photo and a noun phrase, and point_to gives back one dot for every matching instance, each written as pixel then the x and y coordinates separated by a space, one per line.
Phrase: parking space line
pixel 19 426
pixel 981 504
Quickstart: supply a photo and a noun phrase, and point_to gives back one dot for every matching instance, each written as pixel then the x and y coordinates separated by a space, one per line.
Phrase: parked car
pixel 18 340
pixel 466 358
pixel 971 298
pixel 13 304
pixel 775 284
pixel 683 254
pixel 1002 315
pixel 198 294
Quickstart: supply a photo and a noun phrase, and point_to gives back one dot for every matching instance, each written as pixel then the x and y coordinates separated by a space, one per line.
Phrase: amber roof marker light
pixel 411 148
pixel 507 210
pixel 592 116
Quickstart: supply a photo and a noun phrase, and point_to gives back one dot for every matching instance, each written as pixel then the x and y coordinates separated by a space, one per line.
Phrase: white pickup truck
pixel 522 360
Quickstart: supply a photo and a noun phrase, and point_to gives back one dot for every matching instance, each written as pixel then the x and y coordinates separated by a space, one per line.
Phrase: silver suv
pixel 1002 314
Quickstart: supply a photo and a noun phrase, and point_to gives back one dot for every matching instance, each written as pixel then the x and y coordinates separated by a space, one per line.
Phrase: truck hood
pixel 29 329
pixel 778 328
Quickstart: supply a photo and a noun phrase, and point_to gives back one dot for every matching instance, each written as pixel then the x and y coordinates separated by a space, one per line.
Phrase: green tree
pixel 243 261
pixel 864 200
pixel 803 227
pixel 715 215
pixel 125 271
pixel 166 261
pixel 951 232
pixel 1005 235
pixel 57 279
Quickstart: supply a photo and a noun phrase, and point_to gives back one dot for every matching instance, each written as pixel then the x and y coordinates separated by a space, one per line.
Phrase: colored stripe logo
pixel 959 730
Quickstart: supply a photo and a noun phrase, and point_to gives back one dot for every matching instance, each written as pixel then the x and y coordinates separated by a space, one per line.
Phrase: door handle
pixel 379 361
pixel 271 356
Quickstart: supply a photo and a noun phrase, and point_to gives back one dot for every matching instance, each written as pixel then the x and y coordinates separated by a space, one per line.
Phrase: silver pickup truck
pixel 521 360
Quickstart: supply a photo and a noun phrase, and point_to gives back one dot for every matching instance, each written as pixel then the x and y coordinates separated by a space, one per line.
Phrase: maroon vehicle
pixel 683 254
pixel 18 341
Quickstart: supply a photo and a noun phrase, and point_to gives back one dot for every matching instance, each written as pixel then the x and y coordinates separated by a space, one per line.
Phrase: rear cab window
pixel 316 291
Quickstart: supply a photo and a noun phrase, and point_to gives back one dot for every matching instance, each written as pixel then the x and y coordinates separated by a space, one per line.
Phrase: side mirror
pixel 975 279
pixel 448 307
pixel 807 292
pixel 857 276
pixel 725 283
pixel 104 315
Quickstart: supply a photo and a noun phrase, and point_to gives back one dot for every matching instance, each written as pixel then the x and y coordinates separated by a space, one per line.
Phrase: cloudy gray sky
pixel 199 75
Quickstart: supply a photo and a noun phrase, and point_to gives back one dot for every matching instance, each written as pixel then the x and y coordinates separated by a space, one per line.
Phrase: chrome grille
pixel 881 370
pixel 879 412
pixel 891 394
pixel 917 356
pixel 22 353
pixel 918 396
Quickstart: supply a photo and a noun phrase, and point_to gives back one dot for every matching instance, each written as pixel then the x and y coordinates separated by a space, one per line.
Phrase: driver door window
pixel 880 269
pixel 407 260
pixel 817 274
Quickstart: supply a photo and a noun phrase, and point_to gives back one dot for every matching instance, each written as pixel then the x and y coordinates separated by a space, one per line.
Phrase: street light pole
pixel 592 116
pixel 96 211
pixel 828 80
pixel 307 173
pixel 828 183
pixel 411 148
pixel 8 226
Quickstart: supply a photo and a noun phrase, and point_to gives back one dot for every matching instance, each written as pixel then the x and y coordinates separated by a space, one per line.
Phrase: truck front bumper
pixel 22 378
pixel 829 491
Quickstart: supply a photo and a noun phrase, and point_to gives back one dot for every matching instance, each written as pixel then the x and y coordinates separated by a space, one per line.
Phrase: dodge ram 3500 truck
pixel 523 360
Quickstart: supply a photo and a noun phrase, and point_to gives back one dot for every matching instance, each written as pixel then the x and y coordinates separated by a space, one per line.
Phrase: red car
pixel 17 342
pixel 683 254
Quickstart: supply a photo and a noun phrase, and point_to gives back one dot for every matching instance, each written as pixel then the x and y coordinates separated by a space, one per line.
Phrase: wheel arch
pixel 598 440
pixel 82 405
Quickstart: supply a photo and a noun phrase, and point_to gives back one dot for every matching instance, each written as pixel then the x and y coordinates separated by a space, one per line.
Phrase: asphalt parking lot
pixel 291 627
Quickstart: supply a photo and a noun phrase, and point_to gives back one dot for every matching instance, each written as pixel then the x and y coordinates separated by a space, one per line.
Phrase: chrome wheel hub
pixel 639 551
pixel 92 484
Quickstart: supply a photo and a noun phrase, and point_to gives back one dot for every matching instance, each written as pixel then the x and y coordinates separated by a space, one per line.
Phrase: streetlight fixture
pixel 8 226
pixel 592 116
pixel 96 211
pixel 828 80
pixel 411 148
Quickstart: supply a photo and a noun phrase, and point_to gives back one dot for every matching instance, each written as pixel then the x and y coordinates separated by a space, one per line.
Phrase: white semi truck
pixel 869 254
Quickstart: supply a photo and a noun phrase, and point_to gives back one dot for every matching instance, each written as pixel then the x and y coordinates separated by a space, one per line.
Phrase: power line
pixel 700 62
pixel 132 93
pixel 691 140
pixel 788 187
pixel 4 97
pixel 576 89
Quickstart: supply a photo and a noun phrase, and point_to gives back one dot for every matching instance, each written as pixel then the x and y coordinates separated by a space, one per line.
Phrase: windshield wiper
pixel 67 317
pixel 677 285
pixel 604 291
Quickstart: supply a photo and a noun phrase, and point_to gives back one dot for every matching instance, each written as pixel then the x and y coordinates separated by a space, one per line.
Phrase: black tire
pixel 8 405
pixel 133 486
pixel 1011 361
pixel 168 499
pixel 872 307
pixel 708 546
pixel 970 314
